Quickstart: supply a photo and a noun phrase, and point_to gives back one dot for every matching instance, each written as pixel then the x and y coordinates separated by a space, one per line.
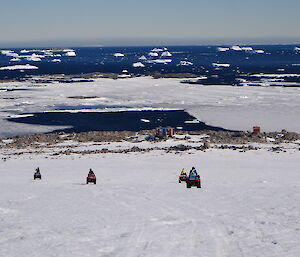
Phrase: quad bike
pixel 91 178
pixel 193 181
pixel 37 176
pixel 182 177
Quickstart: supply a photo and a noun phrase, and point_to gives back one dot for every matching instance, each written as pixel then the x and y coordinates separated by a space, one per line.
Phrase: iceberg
pixel 223 49
pixel 119 55
pixel 19 67
pixel 236 48
pixel 259 51
pixel 34 59
pixel 159 49
pixel 166 54
pixel 138 65
pixel 143 58
pixel 9 53
pixel 15 59
pixel 153 54
pixel 247 49
pixel 70 53
pixel 297 49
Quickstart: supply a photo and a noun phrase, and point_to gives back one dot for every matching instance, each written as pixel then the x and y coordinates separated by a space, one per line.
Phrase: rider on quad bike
pixel 91 178
pixel 193 179
pixel 182 176
pixel 193 172
pixel 37 174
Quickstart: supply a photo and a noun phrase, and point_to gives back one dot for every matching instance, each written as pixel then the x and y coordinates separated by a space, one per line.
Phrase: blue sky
pixel 139 22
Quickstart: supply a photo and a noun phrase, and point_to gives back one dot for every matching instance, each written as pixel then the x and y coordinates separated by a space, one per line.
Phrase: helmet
pixel 193 168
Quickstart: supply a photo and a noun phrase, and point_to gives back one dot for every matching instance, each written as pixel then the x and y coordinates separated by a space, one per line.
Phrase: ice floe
pixel 221 65
pixel 185 63
pixel 56 60
pixel 160 61
pixel 223 49
pixel 19 67
pixel 145 120
pixel 34 59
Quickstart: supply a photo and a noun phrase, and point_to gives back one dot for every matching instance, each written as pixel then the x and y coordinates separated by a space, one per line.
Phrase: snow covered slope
pixel 248 205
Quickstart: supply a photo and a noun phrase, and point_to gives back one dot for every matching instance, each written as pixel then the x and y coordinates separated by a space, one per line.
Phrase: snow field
pixel 248 205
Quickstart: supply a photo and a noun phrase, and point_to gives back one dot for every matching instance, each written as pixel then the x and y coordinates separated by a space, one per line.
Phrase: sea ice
pixel 160 61
pixel 19 67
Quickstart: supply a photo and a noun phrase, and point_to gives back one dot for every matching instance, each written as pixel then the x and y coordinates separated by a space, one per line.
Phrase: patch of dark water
pixel 116 121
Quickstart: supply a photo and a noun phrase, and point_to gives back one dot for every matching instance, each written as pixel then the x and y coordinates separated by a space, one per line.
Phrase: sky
pixel 140 22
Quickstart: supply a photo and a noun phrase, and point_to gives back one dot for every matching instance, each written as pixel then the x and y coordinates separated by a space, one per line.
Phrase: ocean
pixel 232 65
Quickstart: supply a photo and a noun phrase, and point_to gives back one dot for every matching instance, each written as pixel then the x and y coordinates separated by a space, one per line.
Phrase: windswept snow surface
pixel 237 108
pixel 248 205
